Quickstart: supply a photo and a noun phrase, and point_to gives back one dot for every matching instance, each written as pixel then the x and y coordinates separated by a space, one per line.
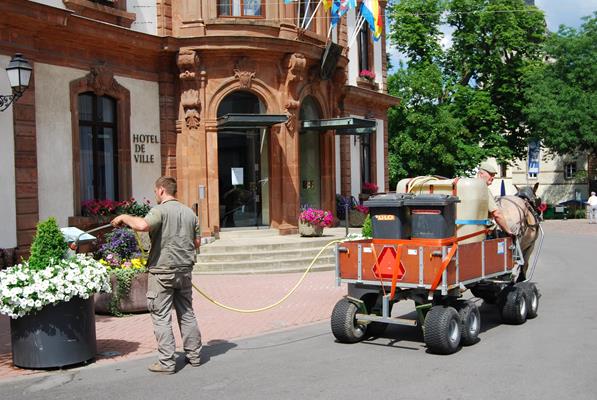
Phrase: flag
pixel 339 8
pixel 288 1
pixel 327 4
pixel 371 11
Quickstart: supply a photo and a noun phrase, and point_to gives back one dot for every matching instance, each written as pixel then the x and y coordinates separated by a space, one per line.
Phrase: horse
pixel 522 215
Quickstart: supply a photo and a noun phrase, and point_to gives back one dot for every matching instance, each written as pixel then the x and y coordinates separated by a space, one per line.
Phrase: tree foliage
pixel 561 93
pixel 463 103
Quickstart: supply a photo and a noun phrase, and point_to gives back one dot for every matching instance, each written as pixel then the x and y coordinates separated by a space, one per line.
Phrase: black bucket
pixel 56 336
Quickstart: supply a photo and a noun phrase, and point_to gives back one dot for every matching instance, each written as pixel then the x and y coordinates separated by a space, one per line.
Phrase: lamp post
pixel 19 73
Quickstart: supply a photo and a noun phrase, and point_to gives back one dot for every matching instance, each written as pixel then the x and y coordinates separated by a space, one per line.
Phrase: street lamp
pixel 19 73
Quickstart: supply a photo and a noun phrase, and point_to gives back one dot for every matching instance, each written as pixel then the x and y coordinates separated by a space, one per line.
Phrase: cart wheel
pixel 442 330
pixel 470 322
pixel 532 295
pixel 344 324
pixel 513 305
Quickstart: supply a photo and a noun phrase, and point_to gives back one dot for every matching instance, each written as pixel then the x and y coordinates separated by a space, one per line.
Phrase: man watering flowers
pixel 172 227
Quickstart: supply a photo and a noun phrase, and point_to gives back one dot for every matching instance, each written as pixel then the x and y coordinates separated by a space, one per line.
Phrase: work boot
pixel 157 367
pixel 196 362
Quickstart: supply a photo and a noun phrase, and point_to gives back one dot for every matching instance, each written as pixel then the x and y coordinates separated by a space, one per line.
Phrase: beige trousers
pixel 164 291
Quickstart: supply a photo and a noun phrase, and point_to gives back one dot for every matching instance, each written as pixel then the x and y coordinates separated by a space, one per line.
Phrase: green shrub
pixel 367 230
pixel 579 214
pixel 48 245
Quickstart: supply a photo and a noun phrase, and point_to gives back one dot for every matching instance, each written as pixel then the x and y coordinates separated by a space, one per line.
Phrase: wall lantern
pixel 19 73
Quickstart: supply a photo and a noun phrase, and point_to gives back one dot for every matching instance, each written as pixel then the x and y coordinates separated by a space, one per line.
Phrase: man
pixel 172 228
pixel 592 202
pixel 487 172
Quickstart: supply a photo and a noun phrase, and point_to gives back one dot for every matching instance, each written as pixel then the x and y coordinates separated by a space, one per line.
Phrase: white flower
pixel 22 290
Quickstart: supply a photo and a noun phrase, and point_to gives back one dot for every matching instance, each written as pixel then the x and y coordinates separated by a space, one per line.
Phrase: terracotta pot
pixel 135 302
pixel 307 229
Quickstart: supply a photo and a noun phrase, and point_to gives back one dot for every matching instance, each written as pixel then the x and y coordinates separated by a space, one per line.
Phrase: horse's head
pixel 529 193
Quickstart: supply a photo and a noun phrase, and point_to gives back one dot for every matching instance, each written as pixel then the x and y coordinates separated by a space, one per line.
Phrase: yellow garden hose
pixel 256 310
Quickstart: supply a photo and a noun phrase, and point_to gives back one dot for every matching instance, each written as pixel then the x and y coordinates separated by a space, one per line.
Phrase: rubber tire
pixel 489 296
pixel 533 295
pixel 513 305
pixel 344 324
pixel 470 322
pixel 440 323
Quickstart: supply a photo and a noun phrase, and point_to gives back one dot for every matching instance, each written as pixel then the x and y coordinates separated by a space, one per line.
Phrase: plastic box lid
pixel 431 200
pixel 388 200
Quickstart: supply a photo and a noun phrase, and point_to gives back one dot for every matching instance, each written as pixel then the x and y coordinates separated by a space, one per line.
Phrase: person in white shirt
pixel 592 202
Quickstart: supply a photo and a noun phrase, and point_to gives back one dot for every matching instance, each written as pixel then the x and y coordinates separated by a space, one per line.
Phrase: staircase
pixel 265 251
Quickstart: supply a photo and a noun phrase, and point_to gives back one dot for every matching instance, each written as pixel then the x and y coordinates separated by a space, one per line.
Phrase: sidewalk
pixel 129 337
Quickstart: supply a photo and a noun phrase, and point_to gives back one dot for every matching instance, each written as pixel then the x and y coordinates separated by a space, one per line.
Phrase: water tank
pixel 471 212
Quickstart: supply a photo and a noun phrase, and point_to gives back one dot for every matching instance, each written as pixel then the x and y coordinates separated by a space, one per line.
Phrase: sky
pixel 557 12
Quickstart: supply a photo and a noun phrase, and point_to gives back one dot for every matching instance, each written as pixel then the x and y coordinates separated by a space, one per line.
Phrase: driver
pixel 487 172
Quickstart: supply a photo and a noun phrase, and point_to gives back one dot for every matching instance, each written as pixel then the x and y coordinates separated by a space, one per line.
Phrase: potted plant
pixel 121 254
pixel 367 189
pixel 367 77
pixel 312 221
pixel 357 215
pixel 49 298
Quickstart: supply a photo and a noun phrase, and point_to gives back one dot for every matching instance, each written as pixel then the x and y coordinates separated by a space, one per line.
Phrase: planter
pixel 356 218
pixel 135 302
pixel 307 229
pixel 58 335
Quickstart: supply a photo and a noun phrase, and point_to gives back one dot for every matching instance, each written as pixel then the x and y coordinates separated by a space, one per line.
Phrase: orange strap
pixel 429 242
pixel 395 271
pixel 443 267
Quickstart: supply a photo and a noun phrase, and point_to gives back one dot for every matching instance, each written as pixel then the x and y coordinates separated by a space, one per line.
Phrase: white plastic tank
pixel 471 212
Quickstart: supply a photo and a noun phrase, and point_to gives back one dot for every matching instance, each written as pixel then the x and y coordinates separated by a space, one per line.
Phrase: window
pixel 569 170
pixel 365 159
pixel 240 8
pixel 306 10
pixel 364 45
pixel 98 147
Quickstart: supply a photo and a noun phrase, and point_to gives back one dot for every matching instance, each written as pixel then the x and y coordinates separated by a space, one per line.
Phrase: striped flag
pixel 371 11
pixel 341 7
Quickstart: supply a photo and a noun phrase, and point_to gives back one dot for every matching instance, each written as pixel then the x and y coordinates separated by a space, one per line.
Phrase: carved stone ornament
pixel 101 79
pixel 244 71
pixel 295 64
pixel 188 64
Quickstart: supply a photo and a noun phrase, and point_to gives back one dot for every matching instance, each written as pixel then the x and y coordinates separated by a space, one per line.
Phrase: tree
pixel 464 103
pixel 561 96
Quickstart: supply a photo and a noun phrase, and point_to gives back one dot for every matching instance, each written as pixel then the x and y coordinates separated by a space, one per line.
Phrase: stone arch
pixel 101 82
pixel 258 88
pixel 316 93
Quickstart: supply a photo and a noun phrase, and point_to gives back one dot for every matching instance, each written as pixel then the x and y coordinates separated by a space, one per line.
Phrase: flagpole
pixel 312 15
pixel 359 25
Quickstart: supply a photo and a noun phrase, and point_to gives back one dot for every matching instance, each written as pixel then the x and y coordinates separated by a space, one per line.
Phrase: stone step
pixel 282 254
pixel 245 271
pixel 276 265
pixel 256 247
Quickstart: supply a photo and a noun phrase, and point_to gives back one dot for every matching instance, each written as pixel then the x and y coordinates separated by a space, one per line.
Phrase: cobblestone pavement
pixel 130 337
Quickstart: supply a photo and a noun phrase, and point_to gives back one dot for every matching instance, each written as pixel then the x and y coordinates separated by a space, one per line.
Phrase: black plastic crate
pixel 389 217
pixel 432 216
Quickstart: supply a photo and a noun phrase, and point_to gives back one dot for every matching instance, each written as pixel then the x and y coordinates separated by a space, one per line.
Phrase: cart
pixel 433 273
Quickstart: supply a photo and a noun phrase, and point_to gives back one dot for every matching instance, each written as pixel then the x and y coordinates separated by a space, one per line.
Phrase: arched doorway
pixel 310 159
pixel 243 166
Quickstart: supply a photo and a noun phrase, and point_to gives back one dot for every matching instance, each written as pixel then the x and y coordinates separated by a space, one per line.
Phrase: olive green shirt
pixel 172 228
pixel 491 204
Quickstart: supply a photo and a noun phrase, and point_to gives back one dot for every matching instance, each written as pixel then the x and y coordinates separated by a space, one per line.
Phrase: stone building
pixel 254 110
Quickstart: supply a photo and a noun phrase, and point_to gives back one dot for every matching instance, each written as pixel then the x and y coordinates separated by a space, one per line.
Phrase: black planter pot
pixel 58 335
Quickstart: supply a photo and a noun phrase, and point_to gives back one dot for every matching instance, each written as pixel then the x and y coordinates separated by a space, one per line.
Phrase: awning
pixel 250 121
pixel 342 126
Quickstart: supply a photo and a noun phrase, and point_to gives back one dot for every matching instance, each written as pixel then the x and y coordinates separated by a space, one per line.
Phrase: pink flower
pixel 369 187
pixel 317 217
pixel 367 74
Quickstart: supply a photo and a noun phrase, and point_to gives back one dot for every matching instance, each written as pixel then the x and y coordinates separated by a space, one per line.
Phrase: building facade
pixel 257 108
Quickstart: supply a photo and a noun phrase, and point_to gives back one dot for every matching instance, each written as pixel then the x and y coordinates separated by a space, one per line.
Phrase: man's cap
pixel 592 193
pixel 488 167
